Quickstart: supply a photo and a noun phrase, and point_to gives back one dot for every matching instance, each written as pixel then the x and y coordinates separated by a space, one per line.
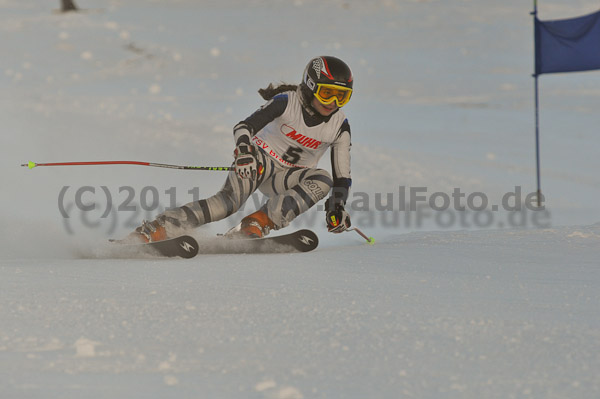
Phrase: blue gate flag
pixel 567 45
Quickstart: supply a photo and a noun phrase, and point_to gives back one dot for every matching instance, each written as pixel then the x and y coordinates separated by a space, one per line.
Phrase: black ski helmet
pixel 324 70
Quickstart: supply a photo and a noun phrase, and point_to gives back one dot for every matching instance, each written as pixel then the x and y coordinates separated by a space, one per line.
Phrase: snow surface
pixel 447 307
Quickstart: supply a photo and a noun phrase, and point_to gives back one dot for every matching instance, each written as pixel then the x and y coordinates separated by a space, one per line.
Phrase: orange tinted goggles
pixel 327 94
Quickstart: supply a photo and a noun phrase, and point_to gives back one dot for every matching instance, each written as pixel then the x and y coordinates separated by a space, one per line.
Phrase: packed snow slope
pixel 461 315
pixel 455 303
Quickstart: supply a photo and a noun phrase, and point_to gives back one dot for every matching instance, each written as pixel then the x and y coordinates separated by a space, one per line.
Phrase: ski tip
pixel 189 245
pixel 307 240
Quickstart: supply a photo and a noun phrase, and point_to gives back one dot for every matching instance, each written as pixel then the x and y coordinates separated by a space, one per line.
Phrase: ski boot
pixel 256 225
pixel 150 232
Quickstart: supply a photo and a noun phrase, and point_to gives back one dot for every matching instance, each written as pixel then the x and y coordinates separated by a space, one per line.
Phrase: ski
pixel 297 241
pixel 182 246
pixel 188 247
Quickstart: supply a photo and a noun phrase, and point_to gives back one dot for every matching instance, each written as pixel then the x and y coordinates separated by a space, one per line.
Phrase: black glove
pixel 338 220
pixel 246 163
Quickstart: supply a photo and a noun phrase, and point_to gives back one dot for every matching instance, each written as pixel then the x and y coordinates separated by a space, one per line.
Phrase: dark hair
pixel 271 90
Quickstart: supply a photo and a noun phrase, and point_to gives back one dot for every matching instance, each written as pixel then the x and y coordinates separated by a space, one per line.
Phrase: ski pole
pixel 370 240
pixel 32 165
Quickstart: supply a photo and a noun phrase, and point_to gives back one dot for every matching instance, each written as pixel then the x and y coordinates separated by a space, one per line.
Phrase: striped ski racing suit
pixel 290 143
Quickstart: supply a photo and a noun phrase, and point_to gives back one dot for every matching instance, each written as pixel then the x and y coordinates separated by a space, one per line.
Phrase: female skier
pixel 277 151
